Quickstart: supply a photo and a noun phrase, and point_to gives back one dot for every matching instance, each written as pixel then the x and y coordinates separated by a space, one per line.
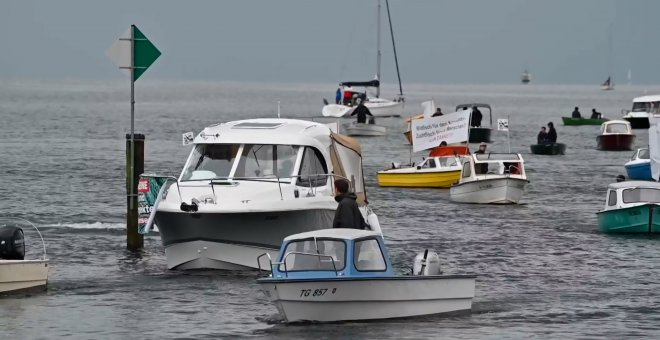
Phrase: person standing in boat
pixel 595 114
pixel 338 96
pixel 437 113
pixel 347 214
pixel 481 168
pixel 552 133
pixel 361 111
pixel 542 137
pixel 476 117
pixel 576 113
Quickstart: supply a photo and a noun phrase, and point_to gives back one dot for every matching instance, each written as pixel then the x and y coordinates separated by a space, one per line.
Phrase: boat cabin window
pixel 645 106
pixel 611 198
pixel 616 128
pixel 368 257
pixel 430 163
pixel 209 161
pixel 467 170
pixel 644 154
pixel 304 255
pixel 313 170
pixel 497 157
pixel 641 195
pixel 265 160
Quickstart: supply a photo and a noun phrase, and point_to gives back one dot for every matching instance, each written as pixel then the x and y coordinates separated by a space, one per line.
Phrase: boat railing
pixel 321 257
pixel 43 243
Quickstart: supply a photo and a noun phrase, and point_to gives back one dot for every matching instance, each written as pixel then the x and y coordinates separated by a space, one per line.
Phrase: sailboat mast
pixel 378 54
pixel 396 60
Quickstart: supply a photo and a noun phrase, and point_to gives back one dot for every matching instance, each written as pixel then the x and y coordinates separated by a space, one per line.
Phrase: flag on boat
pixel 150 191
pixel 187 138
pixel 429 108
pixel 503 124
pixel 451 128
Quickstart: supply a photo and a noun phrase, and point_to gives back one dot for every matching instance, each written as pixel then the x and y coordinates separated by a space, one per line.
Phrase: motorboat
pixel 18 274
pixel 631 207
pixel 615 135
pixel 479 132
pixel 548 149
pixel 639 166
pixel 248 184
pixel 364 129
pixel 570 121
pixel 642 107
pixel 347 274
pixel 379 107
pixel 497 178
pixel 526 77
pixel 432 172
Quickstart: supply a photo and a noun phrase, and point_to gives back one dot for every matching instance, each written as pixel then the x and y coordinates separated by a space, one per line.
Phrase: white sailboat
pixel 350 90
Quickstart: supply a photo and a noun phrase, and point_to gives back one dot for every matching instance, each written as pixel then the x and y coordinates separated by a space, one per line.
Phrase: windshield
pixel 215 161
pixel 616 128
pixel 331 249
pixel 636 195
pixel 497 156
pixel 644 154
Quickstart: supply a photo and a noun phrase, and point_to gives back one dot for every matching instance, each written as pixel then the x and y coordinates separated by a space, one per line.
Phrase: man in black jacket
pixel 347 214
pixel 361 111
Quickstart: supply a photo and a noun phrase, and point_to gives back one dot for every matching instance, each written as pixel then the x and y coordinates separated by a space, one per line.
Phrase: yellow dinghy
pixel 433 172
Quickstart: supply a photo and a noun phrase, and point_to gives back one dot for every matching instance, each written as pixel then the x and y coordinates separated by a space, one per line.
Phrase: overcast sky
pixel 438 41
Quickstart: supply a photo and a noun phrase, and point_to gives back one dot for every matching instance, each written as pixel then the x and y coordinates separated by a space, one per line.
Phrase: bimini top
pixel 336 233
pixel 634 184
pixel 370 83
pixel 487 106
pixel 647 99
pixel 266 131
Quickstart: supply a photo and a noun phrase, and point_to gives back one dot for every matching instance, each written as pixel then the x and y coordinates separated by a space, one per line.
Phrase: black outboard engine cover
pixel 12 243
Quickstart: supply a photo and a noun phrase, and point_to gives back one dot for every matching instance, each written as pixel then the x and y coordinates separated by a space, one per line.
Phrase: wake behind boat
pixel 247 184
pixel 347 274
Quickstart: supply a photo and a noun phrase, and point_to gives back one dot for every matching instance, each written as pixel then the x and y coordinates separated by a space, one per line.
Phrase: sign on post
pixel 503 125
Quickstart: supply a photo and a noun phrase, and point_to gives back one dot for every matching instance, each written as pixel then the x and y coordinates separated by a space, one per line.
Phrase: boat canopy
pixel 334 233
pixel 634 184
pixel 615 127
pixel 487 106
pixel 370 83
pixel 451 150
pixel 497 157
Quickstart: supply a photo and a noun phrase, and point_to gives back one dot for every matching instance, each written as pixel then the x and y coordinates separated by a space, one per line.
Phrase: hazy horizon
pixel 297 41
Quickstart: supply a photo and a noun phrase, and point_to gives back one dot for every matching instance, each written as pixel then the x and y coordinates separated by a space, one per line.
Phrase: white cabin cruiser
pixel 641 109
pixel 248 184
pixel 497 178
pixel 18 274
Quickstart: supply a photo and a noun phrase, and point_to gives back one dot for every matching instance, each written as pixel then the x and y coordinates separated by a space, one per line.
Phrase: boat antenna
pixel 378 53
pixel 278 109
pixel 396 60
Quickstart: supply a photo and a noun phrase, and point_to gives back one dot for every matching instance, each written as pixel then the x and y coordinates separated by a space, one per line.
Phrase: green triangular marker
pixel 144 53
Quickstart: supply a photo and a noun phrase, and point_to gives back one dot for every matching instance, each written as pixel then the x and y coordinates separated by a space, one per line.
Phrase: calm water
pixel 544 269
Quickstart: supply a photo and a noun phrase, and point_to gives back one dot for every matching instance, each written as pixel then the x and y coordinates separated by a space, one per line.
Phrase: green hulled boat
pixel 583 121
pixel 548 149
pixel 631 207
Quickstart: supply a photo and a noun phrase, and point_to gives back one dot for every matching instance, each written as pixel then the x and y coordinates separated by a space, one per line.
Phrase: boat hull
pixel 231 240
pixel 504 190
pixel 638 122
pixel 480 135
pixel 419 180
pixel 639 219
pixel 570 121
pixel 619 142
pixel 639 171
pixel 548 149
pixel 362 129
pixel 382 108
pixel 22 275
pixel 345 299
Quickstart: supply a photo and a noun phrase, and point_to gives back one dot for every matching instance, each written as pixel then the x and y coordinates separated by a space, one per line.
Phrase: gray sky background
pixel 452 41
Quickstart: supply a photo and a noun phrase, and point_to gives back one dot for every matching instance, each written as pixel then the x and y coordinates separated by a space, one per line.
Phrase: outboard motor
pixel 427 263
pixel 12 243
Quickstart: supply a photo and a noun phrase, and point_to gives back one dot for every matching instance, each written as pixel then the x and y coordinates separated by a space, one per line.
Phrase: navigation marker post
pixel 133 53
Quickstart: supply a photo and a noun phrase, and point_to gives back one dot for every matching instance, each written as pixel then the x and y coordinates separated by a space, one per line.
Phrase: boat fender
pixel 372 221
pixel 12 243
pixel 427 263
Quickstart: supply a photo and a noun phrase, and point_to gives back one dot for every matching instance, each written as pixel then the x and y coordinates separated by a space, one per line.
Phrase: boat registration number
pixel 316 292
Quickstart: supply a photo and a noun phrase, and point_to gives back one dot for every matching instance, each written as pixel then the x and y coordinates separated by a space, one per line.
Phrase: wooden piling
pixel 134 240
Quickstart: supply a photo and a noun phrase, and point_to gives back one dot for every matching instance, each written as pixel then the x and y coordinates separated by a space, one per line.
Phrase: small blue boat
pixel 346 274
pixel 639 166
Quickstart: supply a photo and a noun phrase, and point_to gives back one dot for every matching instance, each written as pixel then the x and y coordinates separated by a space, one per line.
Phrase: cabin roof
pixel 266 131
pixel 634 184
pixel 338 233
pixel 645 99
pixel 616 121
